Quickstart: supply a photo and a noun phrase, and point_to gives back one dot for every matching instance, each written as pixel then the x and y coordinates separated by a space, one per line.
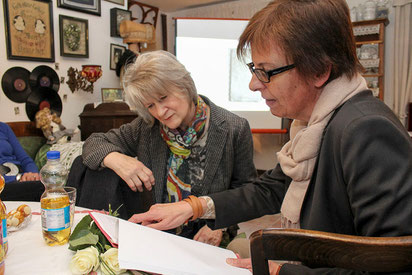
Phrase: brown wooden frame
pixel 36 46
pixel 322 249
pixel 146 9
pixel 25 129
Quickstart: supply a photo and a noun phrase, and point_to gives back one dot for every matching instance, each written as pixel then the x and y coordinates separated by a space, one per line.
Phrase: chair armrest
pixel 322 249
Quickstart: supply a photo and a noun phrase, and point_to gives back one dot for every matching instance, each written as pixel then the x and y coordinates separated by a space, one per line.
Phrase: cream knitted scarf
pixel 298 156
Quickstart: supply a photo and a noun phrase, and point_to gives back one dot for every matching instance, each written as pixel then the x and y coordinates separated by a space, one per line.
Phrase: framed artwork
pixel 116 17
pixel 29 30
pixel 74 36
pixel 116 52
pixel 112 94
pixel 87 6
pixel 120 2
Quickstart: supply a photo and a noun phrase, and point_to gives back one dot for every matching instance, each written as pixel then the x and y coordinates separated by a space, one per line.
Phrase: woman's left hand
pixel 247 263
pixel 29 176
pixel 209 236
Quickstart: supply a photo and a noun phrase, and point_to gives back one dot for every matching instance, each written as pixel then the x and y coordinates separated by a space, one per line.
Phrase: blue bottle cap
pixel 53 155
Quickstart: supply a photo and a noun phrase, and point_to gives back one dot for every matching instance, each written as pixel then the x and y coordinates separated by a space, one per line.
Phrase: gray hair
pixel 153 75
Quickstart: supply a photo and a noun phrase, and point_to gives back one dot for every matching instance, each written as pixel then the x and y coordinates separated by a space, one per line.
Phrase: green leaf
pixel 102 238
pixel 84 239
pixel 84 224
pixel 115 213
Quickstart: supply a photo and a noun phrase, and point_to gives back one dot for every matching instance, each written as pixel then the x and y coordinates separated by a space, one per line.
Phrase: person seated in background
pixel 18 169
pixel 181 143
pixel 348 165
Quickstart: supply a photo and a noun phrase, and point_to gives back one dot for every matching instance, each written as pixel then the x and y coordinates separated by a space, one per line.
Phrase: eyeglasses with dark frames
pixel 265 76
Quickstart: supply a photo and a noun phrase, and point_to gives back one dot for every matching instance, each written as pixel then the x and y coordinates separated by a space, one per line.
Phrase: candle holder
pixel 84 79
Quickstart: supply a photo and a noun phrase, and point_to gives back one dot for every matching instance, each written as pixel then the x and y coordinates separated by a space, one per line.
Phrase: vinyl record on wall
pixel 40 98
pixel 44 76
pixel 15 84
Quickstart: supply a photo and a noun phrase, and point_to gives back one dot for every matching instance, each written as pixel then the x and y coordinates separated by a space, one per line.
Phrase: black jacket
pixel 361 185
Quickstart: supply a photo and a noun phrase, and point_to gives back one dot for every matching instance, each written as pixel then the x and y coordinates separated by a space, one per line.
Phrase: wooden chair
pixel 25 128
pixel 321 249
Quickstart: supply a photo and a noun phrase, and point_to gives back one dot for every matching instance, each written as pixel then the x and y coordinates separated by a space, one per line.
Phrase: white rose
pixel 110 262
pixel 85 261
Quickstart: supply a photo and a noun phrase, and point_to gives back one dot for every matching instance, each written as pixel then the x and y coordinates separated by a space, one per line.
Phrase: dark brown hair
pixel 313 34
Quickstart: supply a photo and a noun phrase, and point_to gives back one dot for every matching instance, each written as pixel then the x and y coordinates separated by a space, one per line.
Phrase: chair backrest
pixel 321 249
pixel 25 128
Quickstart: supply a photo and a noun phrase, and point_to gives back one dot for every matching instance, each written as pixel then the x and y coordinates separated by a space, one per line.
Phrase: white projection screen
pixel 207 48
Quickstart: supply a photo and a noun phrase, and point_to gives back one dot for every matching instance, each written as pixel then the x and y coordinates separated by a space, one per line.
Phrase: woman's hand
pixel 209 236
pixel 132 171
pixel 29 176
pixel 165 215
pixel 247 263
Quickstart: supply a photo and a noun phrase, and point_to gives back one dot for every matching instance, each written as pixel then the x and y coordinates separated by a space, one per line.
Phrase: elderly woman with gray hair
pixel 181 143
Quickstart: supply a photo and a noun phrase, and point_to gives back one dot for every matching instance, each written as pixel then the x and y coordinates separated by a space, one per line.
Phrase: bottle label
pixel 4 223
pixel 2 251
pixel 55 219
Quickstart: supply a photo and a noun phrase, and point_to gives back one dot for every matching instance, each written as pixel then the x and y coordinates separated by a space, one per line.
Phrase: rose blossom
pixel 85 261
pixel 110 262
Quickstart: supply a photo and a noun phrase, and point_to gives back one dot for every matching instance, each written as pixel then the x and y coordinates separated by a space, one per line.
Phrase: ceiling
pixel 175 5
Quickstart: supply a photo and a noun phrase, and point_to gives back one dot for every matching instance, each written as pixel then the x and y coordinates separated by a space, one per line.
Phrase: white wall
pixel 99 53
pixel 266 145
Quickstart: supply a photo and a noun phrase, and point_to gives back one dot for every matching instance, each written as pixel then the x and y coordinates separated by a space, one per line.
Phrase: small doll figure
pixel 52 127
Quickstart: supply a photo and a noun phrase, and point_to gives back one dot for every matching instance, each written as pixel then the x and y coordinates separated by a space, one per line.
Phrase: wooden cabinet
pixel 104 117
pixel 370 41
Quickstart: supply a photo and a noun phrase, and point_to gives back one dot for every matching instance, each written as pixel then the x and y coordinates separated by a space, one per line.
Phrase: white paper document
pixel 150 250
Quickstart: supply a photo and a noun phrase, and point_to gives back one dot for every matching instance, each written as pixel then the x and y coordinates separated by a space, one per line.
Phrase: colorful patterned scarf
pixel 180 145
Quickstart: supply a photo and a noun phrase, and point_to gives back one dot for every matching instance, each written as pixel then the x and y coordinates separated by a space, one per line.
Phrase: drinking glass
pixel 71 191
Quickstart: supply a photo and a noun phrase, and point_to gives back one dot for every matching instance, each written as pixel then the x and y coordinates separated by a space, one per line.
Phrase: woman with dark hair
pixel 348 165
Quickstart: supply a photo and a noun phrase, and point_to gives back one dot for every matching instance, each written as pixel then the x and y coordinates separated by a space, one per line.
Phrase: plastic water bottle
pixel 3 229
pixel 55 204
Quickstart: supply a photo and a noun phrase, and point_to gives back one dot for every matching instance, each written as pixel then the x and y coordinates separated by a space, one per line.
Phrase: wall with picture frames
pixel 100 43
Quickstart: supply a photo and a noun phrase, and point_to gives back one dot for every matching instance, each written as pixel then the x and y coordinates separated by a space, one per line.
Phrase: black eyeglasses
pixel 265 76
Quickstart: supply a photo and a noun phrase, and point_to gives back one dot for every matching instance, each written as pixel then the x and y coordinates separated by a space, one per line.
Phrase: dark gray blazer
pixel 361 185
pixel 229 151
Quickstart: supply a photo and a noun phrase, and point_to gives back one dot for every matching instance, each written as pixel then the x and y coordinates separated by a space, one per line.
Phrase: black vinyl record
pixel 44 76
pixel 15 84
pixel 43 97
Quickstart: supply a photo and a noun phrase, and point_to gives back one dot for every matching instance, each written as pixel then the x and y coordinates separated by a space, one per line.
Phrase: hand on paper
pixel 209 236
pixel 29 176
pixel 165 215
pixel 247 263
pixel 132 171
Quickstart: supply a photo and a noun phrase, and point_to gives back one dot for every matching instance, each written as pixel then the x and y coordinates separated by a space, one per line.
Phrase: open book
pixel 150 250
pixel 109 225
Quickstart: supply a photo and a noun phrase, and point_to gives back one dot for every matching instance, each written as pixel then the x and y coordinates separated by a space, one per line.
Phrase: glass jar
pixel 353 14
pixel 370 10
pixel 359 12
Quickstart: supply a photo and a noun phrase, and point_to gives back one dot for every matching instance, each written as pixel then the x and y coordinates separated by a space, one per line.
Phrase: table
pixel 29 254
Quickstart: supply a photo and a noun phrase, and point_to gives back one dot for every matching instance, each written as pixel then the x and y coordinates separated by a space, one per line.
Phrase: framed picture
pixel 87 6
pixel 29 30
pixel 116 17
pixel 116 52
pixel 120 2
pixel 112 94
pixel 74 36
